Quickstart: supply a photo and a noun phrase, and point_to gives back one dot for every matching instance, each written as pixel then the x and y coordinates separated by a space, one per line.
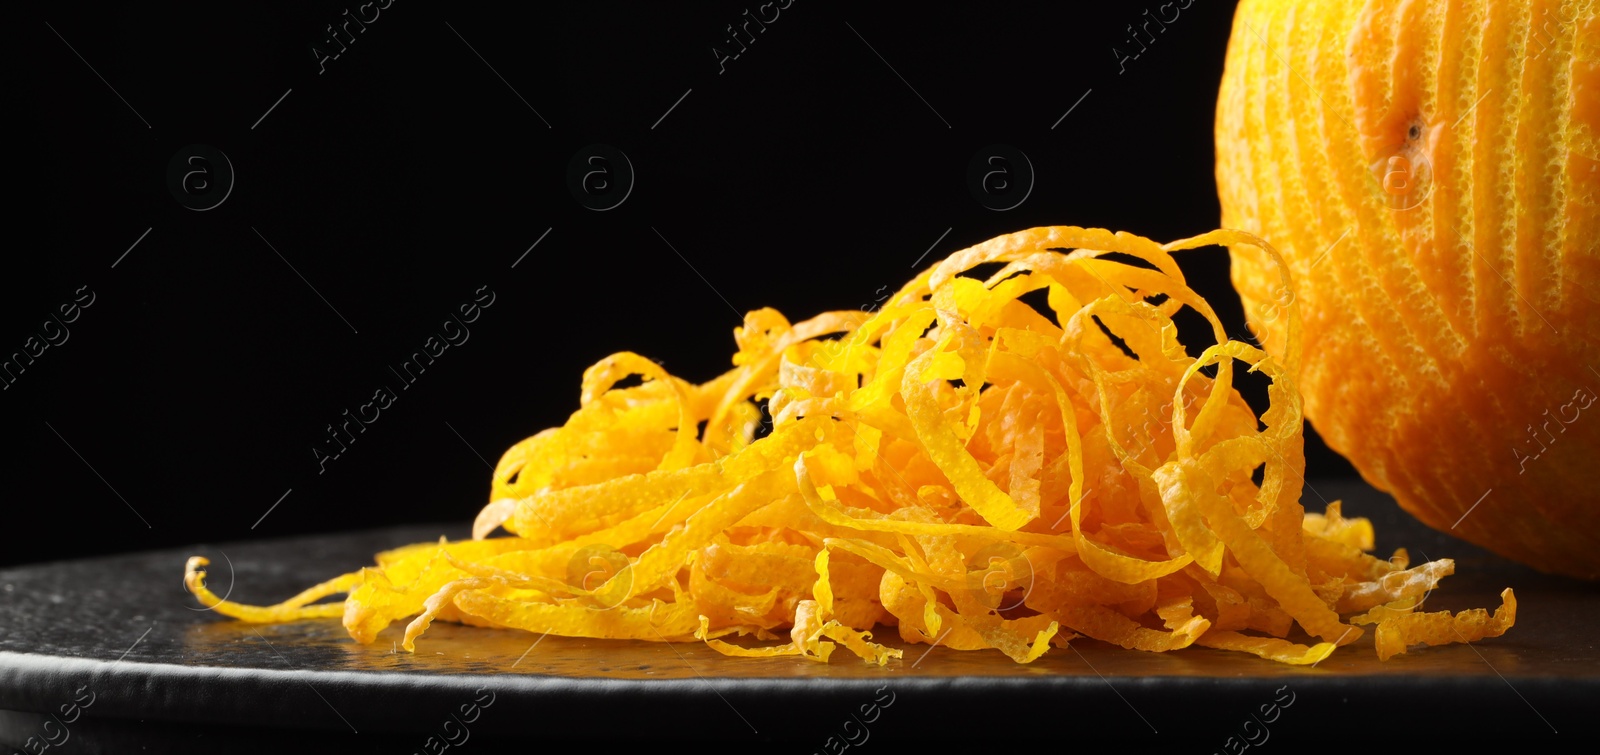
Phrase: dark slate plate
pixel 109 654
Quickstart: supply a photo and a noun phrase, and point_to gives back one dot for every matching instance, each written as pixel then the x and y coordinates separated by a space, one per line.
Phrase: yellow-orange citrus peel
pixel 1430 170
pixel 966 466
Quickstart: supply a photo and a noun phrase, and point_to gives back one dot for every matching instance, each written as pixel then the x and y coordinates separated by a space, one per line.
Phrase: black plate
pixel 97 654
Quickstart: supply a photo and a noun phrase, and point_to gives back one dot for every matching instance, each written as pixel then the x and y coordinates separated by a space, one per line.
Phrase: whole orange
pixel 1430 170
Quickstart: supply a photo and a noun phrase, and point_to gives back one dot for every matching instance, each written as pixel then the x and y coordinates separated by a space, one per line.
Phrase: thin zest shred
pixel 967 466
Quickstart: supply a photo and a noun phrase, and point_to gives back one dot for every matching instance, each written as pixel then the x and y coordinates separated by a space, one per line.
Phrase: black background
pixel 806 175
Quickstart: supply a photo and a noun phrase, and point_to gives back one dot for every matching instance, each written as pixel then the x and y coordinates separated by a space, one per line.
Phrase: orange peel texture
pixel 1430 170
pixel 1002 461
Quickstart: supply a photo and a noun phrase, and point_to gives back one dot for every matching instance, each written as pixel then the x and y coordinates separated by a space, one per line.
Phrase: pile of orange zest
pixel 1001 462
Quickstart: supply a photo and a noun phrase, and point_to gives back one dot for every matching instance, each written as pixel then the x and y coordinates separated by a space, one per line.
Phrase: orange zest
pixel 1014 452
